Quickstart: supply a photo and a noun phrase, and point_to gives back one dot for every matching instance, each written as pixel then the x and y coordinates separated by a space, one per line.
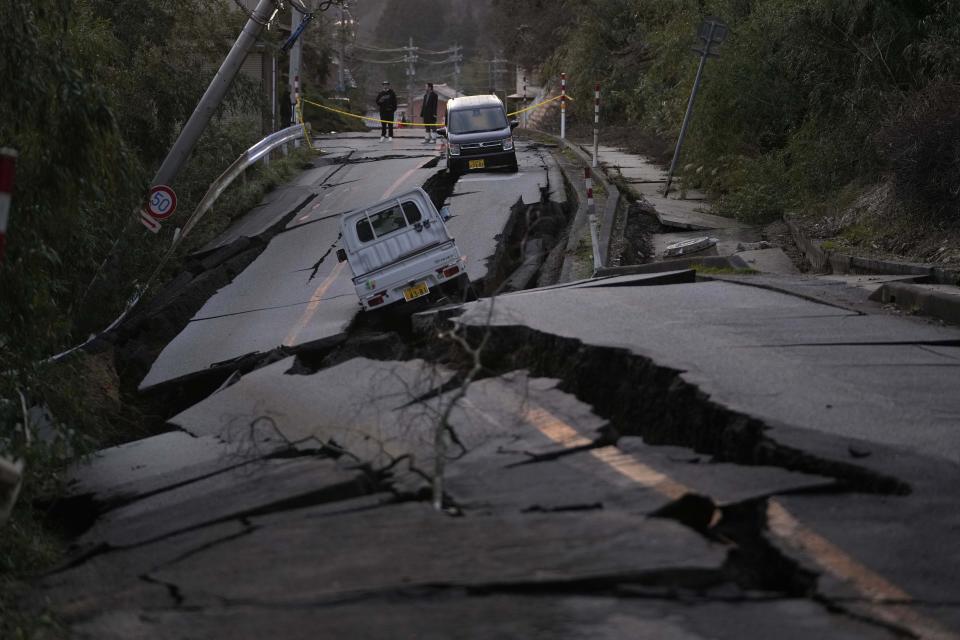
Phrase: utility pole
pixel 293 76
pixel 341 75
pixel 214 95
pixel 411 59
pixel 712 31
pixel 457 59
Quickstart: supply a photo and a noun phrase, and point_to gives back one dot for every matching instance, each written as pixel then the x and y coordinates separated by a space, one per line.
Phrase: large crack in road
pixel 636 405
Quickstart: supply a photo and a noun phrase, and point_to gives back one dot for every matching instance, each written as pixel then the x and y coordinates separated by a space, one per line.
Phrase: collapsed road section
pixel 658 456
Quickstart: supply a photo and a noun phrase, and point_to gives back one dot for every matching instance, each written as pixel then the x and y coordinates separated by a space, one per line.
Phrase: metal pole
pixel 341 81
pixel 596 123
pixel 8 166
pixel 411 71
pixel 456 68
pixel 592 217
pixel 563 106
pixel 294 71
pixel 214 95
pixel 686 116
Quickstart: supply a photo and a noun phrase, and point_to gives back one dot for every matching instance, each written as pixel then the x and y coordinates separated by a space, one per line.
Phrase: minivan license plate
pixel 416 291
pixel 477 164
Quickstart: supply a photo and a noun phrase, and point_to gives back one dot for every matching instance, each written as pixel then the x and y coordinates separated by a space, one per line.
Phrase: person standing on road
pixel 387 102
pixel 428 111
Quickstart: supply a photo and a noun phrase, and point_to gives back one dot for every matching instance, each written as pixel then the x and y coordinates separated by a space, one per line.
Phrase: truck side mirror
pixel 341 255
pixel 442 132
pixel 514 124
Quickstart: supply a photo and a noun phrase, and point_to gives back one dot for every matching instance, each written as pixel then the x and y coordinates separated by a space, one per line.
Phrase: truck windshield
pixel 477 120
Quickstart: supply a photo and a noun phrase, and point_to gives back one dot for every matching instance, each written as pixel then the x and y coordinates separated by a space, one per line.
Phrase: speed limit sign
pixel 161 202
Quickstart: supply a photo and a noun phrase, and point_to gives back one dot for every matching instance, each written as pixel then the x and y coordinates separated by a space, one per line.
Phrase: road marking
pixel 842 566
pixel 889 602
pixel 313 306
pixel 399 181
pixel 563 434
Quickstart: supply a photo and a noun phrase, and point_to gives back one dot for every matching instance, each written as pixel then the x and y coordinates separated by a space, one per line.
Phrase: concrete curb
pixel 609 213
pixel 713 262
pixel 912 297
pixel 834 262
pixel 921 299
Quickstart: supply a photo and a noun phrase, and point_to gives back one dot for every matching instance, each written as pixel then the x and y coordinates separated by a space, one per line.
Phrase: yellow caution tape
pixel 539 104
pixel 353 115
pixel 306 132
pixel 418 124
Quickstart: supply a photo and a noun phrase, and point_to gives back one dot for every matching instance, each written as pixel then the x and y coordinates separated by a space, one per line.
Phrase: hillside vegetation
pixel 845 110
pixel 94 94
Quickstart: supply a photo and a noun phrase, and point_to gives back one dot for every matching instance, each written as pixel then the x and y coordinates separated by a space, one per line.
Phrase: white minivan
pixel 400 250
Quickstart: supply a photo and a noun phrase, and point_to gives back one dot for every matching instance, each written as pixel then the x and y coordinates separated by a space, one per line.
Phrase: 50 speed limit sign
pixel 161 202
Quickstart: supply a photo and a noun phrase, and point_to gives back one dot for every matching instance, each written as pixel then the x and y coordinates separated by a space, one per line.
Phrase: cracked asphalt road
pixel 640 457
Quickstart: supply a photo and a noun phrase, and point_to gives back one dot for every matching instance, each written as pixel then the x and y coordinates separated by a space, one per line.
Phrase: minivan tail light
pixel 375 301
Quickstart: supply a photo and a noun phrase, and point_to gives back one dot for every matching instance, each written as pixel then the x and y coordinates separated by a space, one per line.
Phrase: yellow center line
pixel 781 522
pixel 313 306
pixel 624 464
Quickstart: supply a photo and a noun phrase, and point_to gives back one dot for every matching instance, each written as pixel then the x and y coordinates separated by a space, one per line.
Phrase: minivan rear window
pixel 477 120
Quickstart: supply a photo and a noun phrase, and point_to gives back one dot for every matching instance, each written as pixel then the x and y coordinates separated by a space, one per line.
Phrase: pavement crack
pixel 316 265
pixel 555 454
pixel 639 397
pixel 172 589
pixel 593 506
pixel 247 530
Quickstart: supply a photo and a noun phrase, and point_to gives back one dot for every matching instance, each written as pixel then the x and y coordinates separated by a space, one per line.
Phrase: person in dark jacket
pixel 429 114
pixel 387 101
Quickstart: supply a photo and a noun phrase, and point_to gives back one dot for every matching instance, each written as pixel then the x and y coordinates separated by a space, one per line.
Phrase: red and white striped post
pixel 563 106
pixel 596 123
pixel 524 114
pixel 8 165
pixel 592 217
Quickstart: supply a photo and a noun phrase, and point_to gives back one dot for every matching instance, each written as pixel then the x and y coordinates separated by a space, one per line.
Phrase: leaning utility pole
pixel 214 95
pixel 712 31
pixel 293 75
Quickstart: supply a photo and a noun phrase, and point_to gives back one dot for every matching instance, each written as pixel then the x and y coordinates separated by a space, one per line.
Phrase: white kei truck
pixel 399 250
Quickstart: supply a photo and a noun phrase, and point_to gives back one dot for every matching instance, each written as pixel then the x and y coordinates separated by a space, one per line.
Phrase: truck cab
pixel 399 250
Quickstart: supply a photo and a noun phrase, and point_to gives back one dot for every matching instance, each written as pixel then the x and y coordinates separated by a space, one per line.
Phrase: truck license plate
pixel 416 291
pixel 476 164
